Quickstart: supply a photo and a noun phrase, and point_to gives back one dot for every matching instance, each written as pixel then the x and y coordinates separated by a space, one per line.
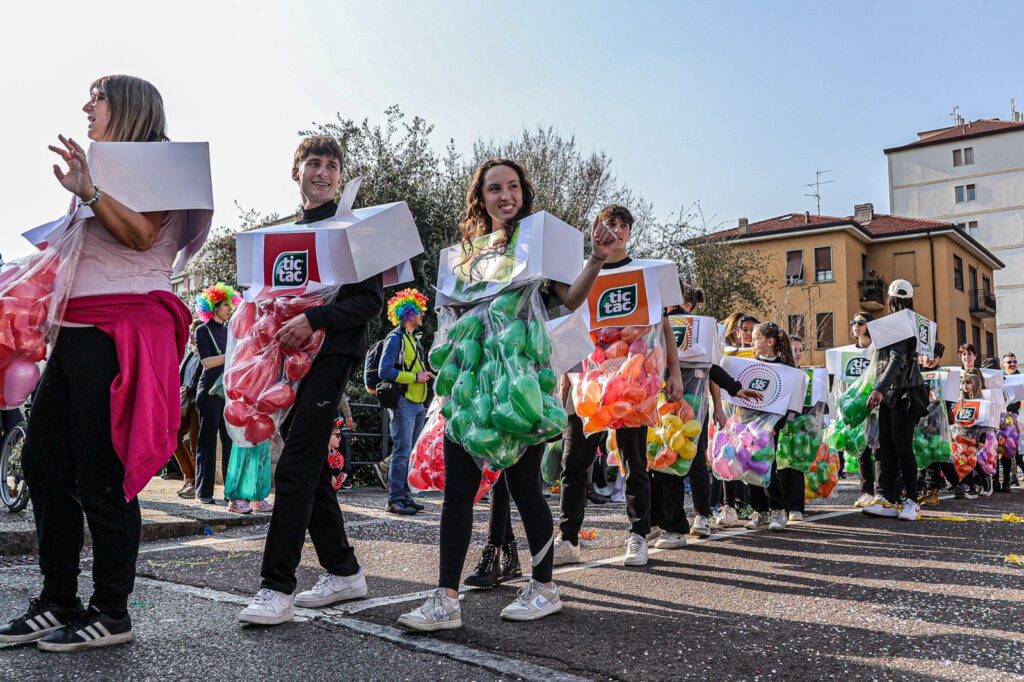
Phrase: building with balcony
pixel 972 174
pixel 823 269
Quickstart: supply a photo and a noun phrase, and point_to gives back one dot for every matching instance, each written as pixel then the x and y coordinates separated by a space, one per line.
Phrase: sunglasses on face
pixel 857 323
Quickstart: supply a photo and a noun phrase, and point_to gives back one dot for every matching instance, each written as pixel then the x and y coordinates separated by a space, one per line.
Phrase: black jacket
pixel 723 380
pixel 896 369
pixel 346 317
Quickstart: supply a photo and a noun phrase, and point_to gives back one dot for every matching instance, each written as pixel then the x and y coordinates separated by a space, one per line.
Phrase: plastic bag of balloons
pixel 551 463
pixel 799 440
pixel 1008 438
pixel 621 378
pixel 871 430
pixel 611 446
pixel 248 476
pixel 932 438
pixel 852 406
pixel 965 451
pixel 822 475
pixel 33 294
pixel 672 444
pixel 492 358
pixel 744 448
pixel 844 438
pixel 426 461
pixel 988 458
pixel 261 377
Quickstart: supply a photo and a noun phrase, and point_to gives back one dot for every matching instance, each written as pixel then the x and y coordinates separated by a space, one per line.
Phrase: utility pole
pixel 817 187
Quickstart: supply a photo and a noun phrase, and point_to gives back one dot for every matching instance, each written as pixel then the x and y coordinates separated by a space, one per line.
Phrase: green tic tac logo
pixel 924 331
pixel 617 302
pixel 291 269
pixel 855 367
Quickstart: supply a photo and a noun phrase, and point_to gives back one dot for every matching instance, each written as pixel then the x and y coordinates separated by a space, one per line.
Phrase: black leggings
pixel 462 479
pixel 700 475
pixel 896 453
pixel 499 524
pixel 211 424
pixel 71 466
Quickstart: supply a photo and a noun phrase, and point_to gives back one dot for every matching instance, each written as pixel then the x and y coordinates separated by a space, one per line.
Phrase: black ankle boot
pixel 510 567
pixel 488 570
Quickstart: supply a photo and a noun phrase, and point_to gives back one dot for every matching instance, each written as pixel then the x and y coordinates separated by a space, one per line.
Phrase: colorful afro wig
pixel 405 304
pixel 208 299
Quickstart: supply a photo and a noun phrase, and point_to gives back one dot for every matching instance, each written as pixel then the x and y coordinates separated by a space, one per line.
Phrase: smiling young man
pixel 305 499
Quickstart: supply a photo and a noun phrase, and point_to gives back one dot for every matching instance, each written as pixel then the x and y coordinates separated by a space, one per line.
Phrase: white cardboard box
pixel 847 363
pixel 635 294
pixel 542 247
pixel 904 324
pixel 350 247
pixel 697 338
pixel 570 341
pixel 784 387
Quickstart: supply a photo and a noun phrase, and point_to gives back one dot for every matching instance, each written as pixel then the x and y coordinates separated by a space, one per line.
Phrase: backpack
pixel 371 373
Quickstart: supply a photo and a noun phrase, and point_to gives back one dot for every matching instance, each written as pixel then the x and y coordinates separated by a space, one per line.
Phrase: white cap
pixel 901 288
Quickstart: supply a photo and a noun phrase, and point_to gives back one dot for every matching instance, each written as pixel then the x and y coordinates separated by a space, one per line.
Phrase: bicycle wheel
pixel 13 488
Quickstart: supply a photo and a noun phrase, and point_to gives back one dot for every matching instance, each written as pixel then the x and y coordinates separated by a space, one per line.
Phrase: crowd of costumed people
pixel 556 354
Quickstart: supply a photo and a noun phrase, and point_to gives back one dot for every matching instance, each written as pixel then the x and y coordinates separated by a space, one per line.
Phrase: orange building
pixel 824 269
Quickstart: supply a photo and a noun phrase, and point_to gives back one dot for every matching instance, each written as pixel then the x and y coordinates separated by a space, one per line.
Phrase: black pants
pixel 305 499
pixel 578 453
pixel 71 466
pixel 896 453
pixel 785 491
pixel 461 481
pixel 938 472
pixel 734 493
pixel 211 423
pixel 868 467
pixel 1006 466
pixel 700 475
pixel 668 495
pixel 499 528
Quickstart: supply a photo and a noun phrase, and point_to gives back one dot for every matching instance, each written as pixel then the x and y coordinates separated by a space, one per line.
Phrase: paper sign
pixel 147 177
pixel 352 246
pixel 997 398
pixel 696 338
pixel 541 246
pixel 780 384
pixel 634 294
pixel 901 325
pixel 994 378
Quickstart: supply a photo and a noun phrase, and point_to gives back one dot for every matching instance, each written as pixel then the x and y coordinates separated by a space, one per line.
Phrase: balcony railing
pixel 872 293
pixel 983 303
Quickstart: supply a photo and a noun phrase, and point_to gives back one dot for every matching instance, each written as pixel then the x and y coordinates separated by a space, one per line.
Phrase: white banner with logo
pixel 634 294
pixel 976 413
pixel 541 245
pixel 904 324
pixel 350 247
pixel 696 338
pixel 784 387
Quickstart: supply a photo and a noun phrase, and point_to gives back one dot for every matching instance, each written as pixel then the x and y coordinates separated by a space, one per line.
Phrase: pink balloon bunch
pixel 1009 436
pixel 426 463
pixel 743 451
pixel 261 378
pixel 988 458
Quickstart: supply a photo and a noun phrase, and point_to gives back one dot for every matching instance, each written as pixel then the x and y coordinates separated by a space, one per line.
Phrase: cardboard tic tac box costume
pixel 697 339
pixel 904 324
pixel 288 260
pixel 633 295
pixel 784 387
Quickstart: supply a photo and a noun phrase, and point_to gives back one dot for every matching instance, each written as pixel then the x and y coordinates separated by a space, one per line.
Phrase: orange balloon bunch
pixel 621 378
pixel 965 455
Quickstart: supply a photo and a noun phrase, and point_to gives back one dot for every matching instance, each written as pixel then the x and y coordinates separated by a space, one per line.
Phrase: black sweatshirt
pixel 346 317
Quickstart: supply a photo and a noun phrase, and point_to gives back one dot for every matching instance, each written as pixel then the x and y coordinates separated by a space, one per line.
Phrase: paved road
pixel 839 596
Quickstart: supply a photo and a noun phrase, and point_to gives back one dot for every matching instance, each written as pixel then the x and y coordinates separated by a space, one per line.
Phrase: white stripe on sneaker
pixel 84 635
pixel 91 629
pixel 32 624
pixel 52 618
pixel 102 628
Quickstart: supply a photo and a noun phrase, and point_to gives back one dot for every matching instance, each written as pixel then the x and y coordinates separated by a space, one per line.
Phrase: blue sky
pixel 734 104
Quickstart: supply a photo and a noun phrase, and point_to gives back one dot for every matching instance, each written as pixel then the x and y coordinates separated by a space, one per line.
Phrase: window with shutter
pixel 794 267
pixel 823 264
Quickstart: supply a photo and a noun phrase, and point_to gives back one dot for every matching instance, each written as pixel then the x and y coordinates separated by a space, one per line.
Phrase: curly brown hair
pixel 476 222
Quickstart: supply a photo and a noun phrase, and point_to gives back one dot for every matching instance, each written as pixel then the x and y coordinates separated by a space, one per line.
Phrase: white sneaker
pixel 654 534
pixel 777 520
pixel 882 507
pixel 566 552
pixel 701 527
pixel 439 612
pixel 757 521
pixel 865 500
pixel 534 601
pixel 911 511
pixel 636 551
pixel 268 607
pixel 670 540
pixel 726 516
pixel 795 517
pixel 330 589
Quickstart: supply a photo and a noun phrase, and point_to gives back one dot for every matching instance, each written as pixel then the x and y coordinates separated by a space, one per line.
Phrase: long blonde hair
pixel 136 109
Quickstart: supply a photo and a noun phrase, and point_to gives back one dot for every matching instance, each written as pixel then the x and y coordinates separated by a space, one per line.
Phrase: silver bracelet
pixel 94 198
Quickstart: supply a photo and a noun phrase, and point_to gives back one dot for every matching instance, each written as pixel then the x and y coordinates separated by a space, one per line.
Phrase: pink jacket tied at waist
pixel 150 332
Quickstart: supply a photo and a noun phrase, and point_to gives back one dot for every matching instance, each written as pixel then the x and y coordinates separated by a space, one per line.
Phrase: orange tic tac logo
pixel 618 300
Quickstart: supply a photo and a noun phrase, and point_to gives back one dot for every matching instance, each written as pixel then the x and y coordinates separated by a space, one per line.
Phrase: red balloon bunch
pixel 426 462
pixel 260 380
pixel 26 296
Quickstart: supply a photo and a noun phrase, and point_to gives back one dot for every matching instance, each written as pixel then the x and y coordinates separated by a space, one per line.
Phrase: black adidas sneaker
pixel 40 620
pixel 90 630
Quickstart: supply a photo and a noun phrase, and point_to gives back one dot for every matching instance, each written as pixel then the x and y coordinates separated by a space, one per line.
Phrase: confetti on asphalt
pixel 1015 559
pixel 588 534
pixel 1008 518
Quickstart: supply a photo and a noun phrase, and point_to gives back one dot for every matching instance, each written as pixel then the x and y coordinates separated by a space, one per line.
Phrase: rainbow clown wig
pixel 211 296
pixel 405 304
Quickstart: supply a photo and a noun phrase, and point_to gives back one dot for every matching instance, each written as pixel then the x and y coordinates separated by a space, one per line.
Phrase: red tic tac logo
pixel 289 260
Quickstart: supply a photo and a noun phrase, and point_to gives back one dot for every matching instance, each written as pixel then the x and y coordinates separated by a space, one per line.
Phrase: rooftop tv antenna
pixel 958 120
pixel 1015 116
pixel 818 182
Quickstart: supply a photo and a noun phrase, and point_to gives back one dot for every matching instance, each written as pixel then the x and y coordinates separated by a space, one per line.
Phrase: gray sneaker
pixel 778 520
pixel 439 612
pixel 758 521
pixel 534 601
pixel 701 527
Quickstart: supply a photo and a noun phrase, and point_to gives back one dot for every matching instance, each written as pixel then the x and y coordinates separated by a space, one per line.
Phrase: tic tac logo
pixel 856 366
pixel 291 269
pixel 617 302
pixel 924 331
pixel 966 413
pixel 763 379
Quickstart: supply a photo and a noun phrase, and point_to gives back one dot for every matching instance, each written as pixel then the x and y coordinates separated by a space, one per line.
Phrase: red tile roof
pixel 979 128
pixel 883 224
pixel 784 223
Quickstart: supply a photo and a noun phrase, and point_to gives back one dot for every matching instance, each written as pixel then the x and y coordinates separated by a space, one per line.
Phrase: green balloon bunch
pixel 798 443
pixel 841 436
pixel 853 405
pixel 499 381
pixel 931 449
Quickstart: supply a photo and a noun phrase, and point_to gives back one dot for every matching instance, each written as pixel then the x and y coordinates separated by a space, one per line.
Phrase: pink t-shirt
pixel 106 266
